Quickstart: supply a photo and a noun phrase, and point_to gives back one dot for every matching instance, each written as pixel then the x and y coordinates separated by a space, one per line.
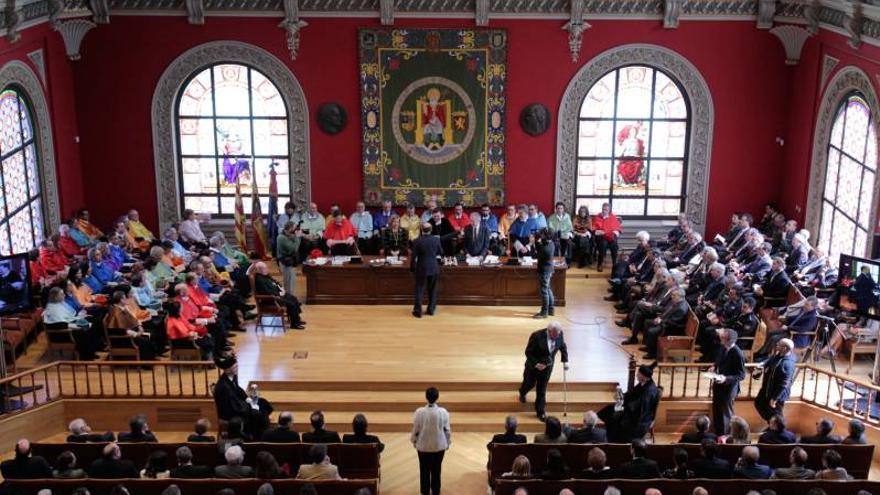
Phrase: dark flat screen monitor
pixel 15 287
pixel 859 289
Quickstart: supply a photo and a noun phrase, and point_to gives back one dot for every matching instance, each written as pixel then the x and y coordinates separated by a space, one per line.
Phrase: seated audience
pixel 111 465
pixel 265 285
pixel 797 470
pixel 318 433
pixel 65 467
pixel 80 432
pixel 521 469
pixel 267 467
pixel 552 432
pixel 607 229
pixel 680 471
pixel 856 434
pixel 555 468
pixel 189 229
pixel 185 467
pixel 283 433
pixel 597 466
pixel 359 433
pixel 339 236
pixel 708 465
pixel 510 435
pixel 823 435
pixel 590 433
pixel 395 238
pixel 702 424
pixel 120 322
pixel 747 466
pixel 25 466
pixel 776 432
pixel 740 432
pixel 234 467
pixel 157 466
pixel 831 467
pixel 58 314
pixel 640 467
pixel 139 431
pixel 201 428
pixel 321 468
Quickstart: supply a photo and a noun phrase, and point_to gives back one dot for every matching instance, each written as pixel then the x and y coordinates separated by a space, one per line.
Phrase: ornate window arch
pixel 29 198
pixel 700 117
pixel 847 120
pixel 254 62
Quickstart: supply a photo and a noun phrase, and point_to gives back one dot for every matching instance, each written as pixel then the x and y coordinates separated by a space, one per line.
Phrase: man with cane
pixel 540 356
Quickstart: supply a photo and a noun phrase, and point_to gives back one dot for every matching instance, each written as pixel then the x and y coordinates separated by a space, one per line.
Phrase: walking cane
pixel 564 391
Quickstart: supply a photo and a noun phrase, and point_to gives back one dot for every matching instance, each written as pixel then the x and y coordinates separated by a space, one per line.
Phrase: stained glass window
pixel 632 144
pixel 21 207
pixel 849 180
pixel 231 126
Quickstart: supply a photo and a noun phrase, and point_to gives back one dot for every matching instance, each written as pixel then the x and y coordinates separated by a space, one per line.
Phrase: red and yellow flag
pixel 240 236
pixel 261 244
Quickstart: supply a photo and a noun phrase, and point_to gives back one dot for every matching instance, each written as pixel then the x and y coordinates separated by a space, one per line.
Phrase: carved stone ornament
pixel 828 65
pixel 847 80
pixel 811 14
pixel 700 133
pixel 292 24
pixel 852 23
pixel 386 12
pixel 481 14
pixel 576 26
pixel 37 57
pixel 195 12
pixel 73 32
pixel 766 13
pixel 56 8
pixel 164 126
pixel 793 39
pixel 534 119
pixel 17 73
pixel 332 118
pixel 13 22
pixel 671 13
pixel 100 11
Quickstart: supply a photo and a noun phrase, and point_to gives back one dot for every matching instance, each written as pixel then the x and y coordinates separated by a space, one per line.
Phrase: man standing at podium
pixel 540 355
pixel 423 264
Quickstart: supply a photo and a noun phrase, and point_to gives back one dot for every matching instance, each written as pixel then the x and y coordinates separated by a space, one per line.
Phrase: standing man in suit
pixel 776 386
pixel 546 249
pixel 431 436
pixel 540 355
pixel 730 364
pixel 232 401
pixel 476 237
pixel 423 264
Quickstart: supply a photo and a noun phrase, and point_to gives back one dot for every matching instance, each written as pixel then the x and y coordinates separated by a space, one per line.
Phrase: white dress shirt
pixel 431 430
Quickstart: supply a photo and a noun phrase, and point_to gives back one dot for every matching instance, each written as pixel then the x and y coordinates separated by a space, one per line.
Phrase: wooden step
pixel 402 401
pixel 420 386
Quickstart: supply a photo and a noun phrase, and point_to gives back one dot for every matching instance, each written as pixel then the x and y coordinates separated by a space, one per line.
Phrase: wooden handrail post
pixel 631 376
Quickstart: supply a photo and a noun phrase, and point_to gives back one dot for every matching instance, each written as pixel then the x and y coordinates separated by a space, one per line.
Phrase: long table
pixel 366 283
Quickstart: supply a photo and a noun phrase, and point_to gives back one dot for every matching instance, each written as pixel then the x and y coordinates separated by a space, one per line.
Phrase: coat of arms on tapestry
pixel 433 115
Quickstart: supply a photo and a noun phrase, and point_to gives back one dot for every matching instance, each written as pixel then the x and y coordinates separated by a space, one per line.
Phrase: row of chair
pixel 686 487
pixel 190 487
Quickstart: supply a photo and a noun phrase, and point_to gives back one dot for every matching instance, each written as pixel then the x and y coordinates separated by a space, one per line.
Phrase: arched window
pixel 632 146
pixel 231 125
pixel 21 208
pixel 849 180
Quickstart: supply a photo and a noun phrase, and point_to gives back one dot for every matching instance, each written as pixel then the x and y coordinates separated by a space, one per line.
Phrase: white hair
pixel 77 426
pixel 234 455
pixel 643 235
pixel 805 233
pixel 554 325
pixel 611 490
pixel 717 267
pixel 476 217
pixel 590 418
pixel 787 343
pixel 678 276
pixel 697 236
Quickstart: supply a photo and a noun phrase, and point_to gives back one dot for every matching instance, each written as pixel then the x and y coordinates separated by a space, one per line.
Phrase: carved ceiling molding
pixel 702 119
pixel 165 96
pixel 671 13
pixel 195 12
pixel 38 58
pixel 73 32
pixel 17 73
pixel 292 25
pixel 766 13
pixel 13 20
pixel 828 65
pixel 386 12
pixel 576 26
pixel 793 39
pixel 847 80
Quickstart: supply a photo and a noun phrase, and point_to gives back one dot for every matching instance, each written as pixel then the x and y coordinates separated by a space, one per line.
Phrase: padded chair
pixel 185 349
pixel 757 341
pixel 120 344
pixel 865 343
pixel 268 307
pixel 60 339
pixel 680 345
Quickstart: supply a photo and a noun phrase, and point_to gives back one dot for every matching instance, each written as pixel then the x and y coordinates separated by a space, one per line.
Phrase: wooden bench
pixel 191 487
pixel 680 345
pixel 678 487
pixel 355 461
pixel 856 458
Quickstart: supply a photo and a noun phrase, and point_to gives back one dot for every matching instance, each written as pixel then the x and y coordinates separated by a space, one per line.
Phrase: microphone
pixel 826 318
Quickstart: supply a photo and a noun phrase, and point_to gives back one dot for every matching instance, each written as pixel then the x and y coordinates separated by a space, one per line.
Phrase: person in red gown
pixel 632 149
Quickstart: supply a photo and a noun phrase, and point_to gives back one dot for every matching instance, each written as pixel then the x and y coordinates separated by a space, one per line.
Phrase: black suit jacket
pixel 321 436
pixel 91 437
pixel 732 365
pixel 778 374
pixel 196 438
pixel 30 468
pixel 353 438
pixel 509 438
pixel 545 253
pixel 696 437
pixel 140 437
pixel 265 285
pixel 776 285
pixel 280 434
pixel 423 258
pixel 713 468
pixel 639 468
pixel 673 318
pixel 605 474
pixel 821 439
pixel 112 469
pixel 588 435
pixel 691 251
pixel 192 472
pixel 476 244
pixel 537 350
pixel 230 399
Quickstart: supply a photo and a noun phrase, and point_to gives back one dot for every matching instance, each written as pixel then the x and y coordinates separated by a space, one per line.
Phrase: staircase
pixel 389 406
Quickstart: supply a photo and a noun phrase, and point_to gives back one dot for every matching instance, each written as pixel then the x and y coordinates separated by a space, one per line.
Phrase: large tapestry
pixel 433 115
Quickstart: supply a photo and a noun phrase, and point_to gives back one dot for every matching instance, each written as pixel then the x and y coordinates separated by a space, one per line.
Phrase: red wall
pixel 123 61
pixel 59 95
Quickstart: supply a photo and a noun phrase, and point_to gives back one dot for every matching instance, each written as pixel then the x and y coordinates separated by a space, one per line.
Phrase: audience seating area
pixel 191 487
pixel 355 461
pixel 685 487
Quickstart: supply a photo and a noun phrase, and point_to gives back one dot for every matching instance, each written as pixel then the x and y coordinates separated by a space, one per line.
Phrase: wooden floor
pixel 377 359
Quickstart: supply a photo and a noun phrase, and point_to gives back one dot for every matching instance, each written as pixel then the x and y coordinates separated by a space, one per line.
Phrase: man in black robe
pixel 232 401
pixel 634 419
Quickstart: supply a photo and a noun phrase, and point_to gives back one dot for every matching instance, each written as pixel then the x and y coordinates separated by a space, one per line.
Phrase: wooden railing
pixel 814 385
pixel 106 379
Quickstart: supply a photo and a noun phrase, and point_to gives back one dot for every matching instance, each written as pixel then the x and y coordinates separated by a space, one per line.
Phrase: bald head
pixel 23 447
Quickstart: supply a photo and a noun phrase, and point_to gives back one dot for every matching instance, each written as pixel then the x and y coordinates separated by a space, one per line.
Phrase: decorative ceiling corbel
pixel 100 11
pixel 293 25
pixel 811 14
pixel 852 23
pixel 766 13
pixel 481 14
pixel 195 12
pixel 576 26
pixel 386 12
pixel 671 13
pixel 13 21
pixel 73 32
pixel 56 8
pixel 793 39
